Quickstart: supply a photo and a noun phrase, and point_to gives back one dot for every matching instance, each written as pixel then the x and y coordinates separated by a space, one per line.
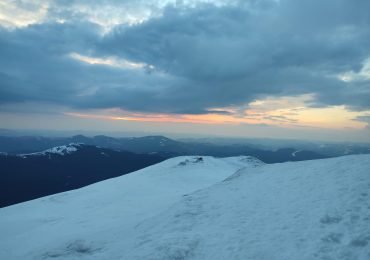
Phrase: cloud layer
pixel 192 58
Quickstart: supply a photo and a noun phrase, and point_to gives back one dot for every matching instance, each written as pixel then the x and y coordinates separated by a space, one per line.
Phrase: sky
pixel 253 68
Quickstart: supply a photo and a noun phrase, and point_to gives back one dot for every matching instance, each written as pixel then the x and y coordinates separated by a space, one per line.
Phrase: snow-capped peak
pixel 60 150
pixel 64 149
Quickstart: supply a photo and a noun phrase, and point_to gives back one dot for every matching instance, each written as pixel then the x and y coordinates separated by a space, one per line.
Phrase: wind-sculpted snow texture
pixel 192 208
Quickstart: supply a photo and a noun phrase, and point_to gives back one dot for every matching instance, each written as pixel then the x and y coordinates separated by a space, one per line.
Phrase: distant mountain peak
pixel 156 137
pixel 64 149
pixel 60 150
pixel 79 136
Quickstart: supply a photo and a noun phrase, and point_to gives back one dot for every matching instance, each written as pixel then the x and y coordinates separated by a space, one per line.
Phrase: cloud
pixel 281 119
pixel 365 119
pixel 201 56
pixel 18 13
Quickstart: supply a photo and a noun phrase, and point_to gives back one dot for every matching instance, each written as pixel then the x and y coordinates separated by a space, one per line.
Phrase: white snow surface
pixel 186 208
pixel 61 150
pixel 64 149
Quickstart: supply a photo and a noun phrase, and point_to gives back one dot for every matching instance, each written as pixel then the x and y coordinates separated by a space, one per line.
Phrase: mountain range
pixel 68 163
pixel 160 145
pixel 28 176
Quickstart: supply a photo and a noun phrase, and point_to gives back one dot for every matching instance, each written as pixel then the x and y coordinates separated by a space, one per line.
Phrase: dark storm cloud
pixel 203 57
pixel 34 62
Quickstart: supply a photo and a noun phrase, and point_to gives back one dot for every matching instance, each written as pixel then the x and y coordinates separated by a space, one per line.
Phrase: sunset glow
pixel 330 118
pixel 197 66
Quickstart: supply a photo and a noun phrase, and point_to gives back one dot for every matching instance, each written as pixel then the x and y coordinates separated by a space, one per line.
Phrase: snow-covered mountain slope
pixel 187 208
pixel 63 168
pixel 307 210
pixel 85 222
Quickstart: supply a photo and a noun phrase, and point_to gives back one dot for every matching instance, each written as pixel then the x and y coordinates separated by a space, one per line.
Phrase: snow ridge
pixel 214 208
pixel 302 210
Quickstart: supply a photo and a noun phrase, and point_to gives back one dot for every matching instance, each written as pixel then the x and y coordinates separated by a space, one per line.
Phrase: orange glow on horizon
pixel 284 112
pixel 183 118
pixel 330 118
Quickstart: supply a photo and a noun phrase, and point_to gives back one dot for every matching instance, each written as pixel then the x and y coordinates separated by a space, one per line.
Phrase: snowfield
pixel 202 208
